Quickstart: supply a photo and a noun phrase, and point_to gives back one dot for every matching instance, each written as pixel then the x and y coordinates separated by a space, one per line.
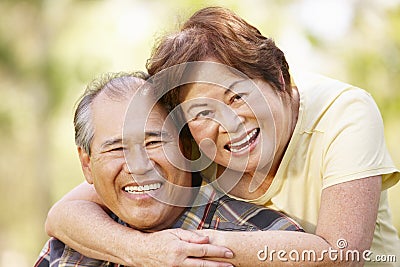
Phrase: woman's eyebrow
pixel 232 85
pixel 196 105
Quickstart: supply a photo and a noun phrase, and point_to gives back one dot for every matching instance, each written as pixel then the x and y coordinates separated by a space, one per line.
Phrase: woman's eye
pixel 236 98
pixel 204 114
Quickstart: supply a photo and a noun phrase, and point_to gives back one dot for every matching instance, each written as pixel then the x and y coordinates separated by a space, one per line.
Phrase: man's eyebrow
pixel 162 134
pixel 111 142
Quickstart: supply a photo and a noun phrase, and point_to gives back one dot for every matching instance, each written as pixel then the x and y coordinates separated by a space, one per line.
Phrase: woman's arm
pixel 348 212
pixel 79 221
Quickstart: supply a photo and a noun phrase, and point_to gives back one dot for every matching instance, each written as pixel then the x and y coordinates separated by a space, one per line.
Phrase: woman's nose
pixel 229 120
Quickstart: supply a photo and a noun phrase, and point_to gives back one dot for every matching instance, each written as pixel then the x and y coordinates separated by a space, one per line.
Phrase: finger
pixel 193 262
pixel 207 250
pixel 191 237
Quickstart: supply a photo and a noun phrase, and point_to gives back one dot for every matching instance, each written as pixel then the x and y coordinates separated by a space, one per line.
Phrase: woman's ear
pixel 85 164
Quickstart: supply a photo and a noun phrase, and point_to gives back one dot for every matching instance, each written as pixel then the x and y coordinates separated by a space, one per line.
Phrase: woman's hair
pixel 216 32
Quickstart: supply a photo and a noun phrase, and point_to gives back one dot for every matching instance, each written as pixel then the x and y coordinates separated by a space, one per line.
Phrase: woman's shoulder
pixel 321 95
pixel 314 87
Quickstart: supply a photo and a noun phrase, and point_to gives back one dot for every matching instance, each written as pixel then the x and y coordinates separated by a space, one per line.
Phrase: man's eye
pixel 154 143
pixel 115 149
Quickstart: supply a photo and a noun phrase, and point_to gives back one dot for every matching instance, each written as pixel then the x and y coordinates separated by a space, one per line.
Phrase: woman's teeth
pixel 140 189
pixel 244 143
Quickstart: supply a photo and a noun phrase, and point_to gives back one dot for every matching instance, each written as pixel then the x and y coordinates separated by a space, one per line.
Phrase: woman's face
pixel 238 122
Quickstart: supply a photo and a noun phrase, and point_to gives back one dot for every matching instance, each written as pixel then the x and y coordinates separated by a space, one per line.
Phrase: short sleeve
pixel 354 141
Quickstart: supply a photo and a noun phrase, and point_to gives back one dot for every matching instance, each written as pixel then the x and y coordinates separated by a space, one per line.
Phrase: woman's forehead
pixel 232 84
pixel 200 89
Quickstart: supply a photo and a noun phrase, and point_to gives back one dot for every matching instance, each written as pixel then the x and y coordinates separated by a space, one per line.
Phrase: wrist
pixel 134 249
pixel 215 237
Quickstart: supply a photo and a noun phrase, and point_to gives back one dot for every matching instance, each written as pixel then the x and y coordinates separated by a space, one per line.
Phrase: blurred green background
pixel 49 51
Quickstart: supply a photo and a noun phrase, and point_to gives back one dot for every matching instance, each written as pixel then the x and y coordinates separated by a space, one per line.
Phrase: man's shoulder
pixel 56 253
pixel 52 251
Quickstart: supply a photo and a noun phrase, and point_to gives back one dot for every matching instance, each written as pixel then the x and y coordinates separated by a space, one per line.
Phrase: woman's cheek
pixel 202 130
pixel 206 135
pixel 195 128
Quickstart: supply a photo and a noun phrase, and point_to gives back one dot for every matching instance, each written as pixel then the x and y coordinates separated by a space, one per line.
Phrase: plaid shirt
pixel 220 213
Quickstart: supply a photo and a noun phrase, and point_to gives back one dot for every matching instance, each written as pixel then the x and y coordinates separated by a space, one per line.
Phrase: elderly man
pixel 133 176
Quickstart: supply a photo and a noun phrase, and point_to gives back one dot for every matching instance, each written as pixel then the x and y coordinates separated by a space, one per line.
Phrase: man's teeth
pixel 244 143
pixel 140 189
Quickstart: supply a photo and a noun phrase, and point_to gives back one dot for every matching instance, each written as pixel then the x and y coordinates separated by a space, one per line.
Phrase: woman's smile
pixel 243 144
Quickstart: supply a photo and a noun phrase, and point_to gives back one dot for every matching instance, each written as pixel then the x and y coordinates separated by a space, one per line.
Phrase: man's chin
pixel 144 218
pixel 147 227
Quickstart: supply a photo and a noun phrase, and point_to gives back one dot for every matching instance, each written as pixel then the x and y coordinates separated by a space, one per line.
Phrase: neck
pixel 248 185
pixel 295 100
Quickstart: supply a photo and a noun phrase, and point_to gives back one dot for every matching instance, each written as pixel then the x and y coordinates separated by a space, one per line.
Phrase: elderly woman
pixel 312 147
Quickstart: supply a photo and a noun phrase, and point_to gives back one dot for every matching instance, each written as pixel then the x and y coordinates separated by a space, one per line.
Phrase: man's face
pixel 130 190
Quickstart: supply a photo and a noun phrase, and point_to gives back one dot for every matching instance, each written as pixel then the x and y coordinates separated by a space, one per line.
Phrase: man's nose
pixel 137 161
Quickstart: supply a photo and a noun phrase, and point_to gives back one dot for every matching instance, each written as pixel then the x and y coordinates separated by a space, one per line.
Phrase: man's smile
pixel 142 189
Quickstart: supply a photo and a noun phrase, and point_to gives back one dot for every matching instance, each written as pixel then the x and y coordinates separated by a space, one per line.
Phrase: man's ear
pixel 85 164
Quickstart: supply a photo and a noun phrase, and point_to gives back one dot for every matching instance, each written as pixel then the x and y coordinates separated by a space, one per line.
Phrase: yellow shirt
pixel 338 137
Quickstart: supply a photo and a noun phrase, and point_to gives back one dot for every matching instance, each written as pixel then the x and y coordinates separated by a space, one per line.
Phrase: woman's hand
pixel 178 247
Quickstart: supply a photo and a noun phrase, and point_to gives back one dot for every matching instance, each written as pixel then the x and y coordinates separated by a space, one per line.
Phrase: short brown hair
pixel 221 34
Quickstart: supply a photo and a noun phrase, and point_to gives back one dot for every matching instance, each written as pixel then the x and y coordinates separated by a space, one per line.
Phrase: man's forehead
pixel 132 108
pixel 147 117
pixel 144 107
pixel 156 117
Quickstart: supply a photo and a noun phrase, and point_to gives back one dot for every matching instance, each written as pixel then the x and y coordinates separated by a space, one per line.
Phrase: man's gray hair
pixel 115 85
